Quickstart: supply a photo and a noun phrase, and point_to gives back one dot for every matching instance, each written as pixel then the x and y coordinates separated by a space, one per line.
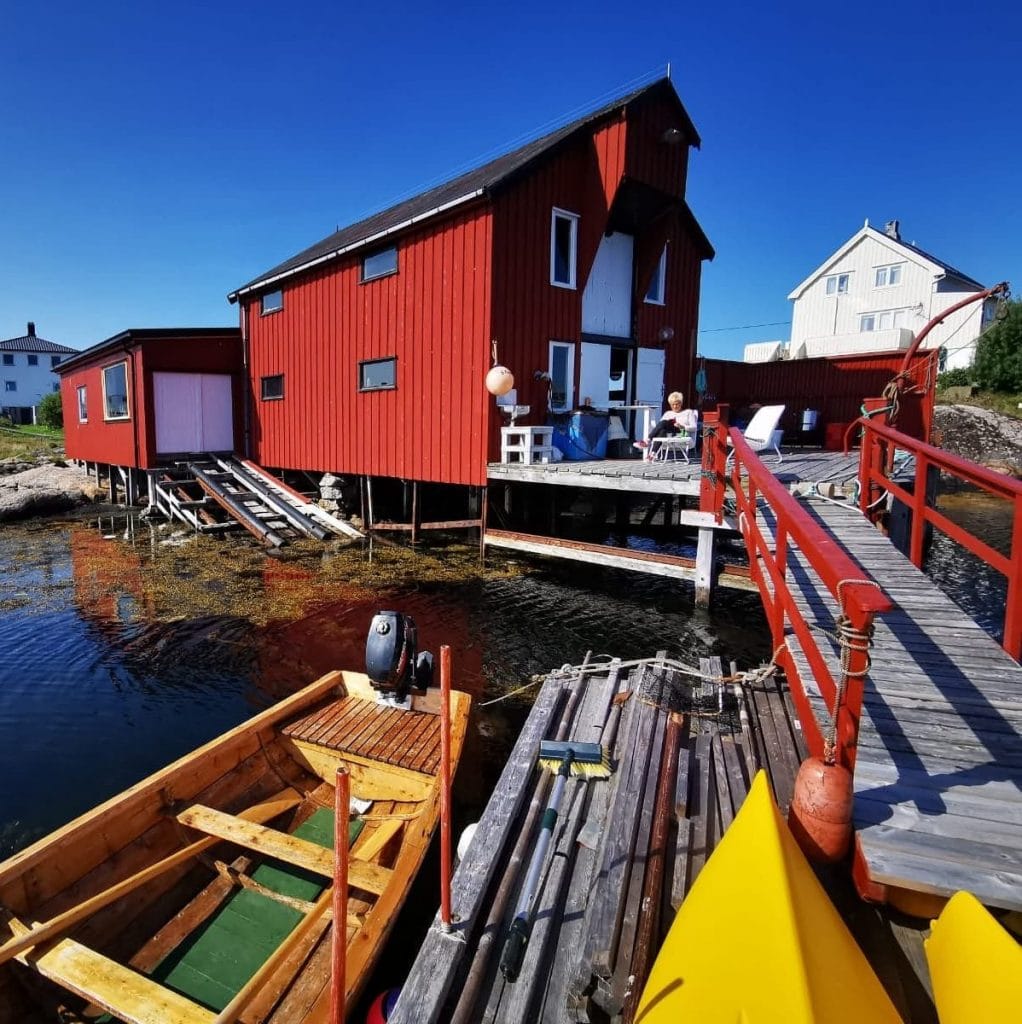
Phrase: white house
pixel 26 370
pixel 876 293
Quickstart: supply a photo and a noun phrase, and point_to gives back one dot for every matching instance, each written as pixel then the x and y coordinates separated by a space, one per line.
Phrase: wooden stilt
pixel 415 511
pixel 705 549
pixel 483 510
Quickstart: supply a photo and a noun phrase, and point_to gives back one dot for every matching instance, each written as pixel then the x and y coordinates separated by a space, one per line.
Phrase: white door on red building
pixel 607 299
pixel 649 387
pixel 594 375
pixel 193 412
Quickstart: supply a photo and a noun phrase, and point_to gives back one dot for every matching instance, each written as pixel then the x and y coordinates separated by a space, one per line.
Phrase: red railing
pixel 858 598
pixel 876 462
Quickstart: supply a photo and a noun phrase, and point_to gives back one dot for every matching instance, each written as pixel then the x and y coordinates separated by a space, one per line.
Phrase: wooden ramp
pixel 938 777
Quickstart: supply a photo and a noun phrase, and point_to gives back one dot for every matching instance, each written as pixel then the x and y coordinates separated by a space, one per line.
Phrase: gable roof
pixel 919 256
pixel 462 189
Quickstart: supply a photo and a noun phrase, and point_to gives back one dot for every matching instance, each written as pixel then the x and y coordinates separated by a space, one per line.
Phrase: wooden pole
pixel 339 950
pixel 445 788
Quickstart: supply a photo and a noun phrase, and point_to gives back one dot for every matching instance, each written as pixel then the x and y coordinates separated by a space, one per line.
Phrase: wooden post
pixel 705 549
pixel 369 503
pixel 714 466
pixel 484 507
pixel 415 511
pixel 445 787
pixel 339 949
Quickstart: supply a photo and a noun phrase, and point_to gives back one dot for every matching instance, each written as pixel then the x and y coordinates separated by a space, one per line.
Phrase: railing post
pixel 1012 641
pixel 712 482
pixel 848 708
pixel 915 548
pixel 781 561
pixel 871 457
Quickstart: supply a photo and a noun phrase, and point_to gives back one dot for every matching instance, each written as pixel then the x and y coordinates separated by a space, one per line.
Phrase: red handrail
pixel 875 472
pixel 858 597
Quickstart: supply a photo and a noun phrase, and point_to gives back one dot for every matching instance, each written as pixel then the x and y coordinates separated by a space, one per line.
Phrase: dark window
pixel 56 387
pixel 10 385
pixel 8 359
pixel 33 359
pixel 271 302
pixel 115 391
pixel 54 360
pixel 380 264
pixel 563 239
pixel 272 387
pixel 377 374
pixel 83 406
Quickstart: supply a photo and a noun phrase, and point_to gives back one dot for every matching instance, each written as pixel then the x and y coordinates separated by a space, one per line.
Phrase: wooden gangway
pixel 938 768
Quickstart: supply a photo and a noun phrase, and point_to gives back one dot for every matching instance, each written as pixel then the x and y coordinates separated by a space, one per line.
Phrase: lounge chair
pixel 762 434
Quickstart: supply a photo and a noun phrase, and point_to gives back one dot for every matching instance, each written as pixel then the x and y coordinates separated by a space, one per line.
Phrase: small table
pixel 526 446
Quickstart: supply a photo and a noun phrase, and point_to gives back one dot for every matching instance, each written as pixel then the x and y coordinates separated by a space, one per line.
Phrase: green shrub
pixel 998 364
pixel 961 377
pixel 49 412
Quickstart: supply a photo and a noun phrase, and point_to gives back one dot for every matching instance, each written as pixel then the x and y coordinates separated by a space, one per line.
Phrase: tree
pixel 998 364
pixel 49 412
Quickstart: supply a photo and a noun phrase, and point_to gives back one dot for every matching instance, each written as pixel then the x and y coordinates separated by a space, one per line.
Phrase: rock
pixel 42 490
pixel 980 435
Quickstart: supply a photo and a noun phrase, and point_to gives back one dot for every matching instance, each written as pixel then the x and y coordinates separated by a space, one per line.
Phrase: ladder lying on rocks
pixel 221 493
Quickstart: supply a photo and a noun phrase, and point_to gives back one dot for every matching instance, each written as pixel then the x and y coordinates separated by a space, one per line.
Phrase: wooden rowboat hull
pixel 757 939
pixel 209 882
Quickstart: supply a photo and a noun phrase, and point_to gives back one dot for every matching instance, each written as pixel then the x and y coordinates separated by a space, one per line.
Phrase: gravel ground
pixel 45 489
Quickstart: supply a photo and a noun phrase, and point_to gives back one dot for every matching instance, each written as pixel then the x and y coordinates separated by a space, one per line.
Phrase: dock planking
pixel 938 777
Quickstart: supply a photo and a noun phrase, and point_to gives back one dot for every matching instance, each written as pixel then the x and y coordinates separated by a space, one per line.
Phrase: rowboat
pixel 975 964
pixel 757 939
pixel 203 893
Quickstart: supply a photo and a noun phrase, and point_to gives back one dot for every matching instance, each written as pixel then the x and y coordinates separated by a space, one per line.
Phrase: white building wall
pixel 31 382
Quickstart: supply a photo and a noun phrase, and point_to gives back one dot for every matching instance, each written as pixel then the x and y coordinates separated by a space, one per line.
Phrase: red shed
pixel 575 255
pixel 144 395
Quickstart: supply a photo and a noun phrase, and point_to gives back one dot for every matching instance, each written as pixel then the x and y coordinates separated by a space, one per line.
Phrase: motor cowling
pixel 393 663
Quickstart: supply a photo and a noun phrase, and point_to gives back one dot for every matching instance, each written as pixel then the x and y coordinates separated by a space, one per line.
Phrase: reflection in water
pixel 122 652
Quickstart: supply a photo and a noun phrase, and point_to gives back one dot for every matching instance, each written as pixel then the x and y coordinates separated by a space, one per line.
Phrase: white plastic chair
pixel 762 434
pixel 663 448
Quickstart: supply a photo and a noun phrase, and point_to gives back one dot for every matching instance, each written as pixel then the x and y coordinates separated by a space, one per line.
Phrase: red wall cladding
pixel 99 440
pixel 650 159
pixel 433 315
pixel 833 386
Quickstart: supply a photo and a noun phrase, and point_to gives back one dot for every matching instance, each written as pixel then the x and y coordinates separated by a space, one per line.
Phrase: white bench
pixel 527 446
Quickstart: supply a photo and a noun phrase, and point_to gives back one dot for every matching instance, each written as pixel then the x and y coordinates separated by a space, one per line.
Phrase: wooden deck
pixel 938 777
pixel 674 477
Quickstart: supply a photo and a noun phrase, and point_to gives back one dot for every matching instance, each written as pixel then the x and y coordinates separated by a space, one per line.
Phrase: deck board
pixel 938 776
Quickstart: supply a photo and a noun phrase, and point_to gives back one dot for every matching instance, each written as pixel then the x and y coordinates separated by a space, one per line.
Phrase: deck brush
pixel 588 760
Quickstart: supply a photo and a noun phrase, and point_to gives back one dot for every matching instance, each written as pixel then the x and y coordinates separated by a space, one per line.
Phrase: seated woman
pixel 677 420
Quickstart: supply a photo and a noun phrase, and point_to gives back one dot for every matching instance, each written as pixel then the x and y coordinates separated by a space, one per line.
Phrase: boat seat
pixel 410 739
pixel 128 995
pixel 281 846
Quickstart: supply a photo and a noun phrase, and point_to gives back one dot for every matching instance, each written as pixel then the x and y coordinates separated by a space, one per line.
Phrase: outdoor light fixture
pixel 672 136
pixel 541 376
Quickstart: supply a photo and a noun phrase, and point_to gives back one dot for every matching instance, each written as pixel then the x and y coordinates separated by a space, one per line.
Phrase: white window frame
pixel 895 319
pixel 882 275
pixel 557 214
pixel 569 385
pixel 265 307
pixel 837 279
pixel 656 293
pixel 83 404
pixel 127 392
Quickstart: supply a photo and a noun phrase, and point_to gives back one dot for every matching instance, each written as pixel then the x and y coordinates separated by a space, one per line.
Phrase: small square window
pixel 868 323
pixel 272 302
pixel 655 294
pixel 837 284
pixel 10 385
pixel 115 391
pixel 33 359
pixel 56 386
pixel 563 248
pixel 54 360
pixel 379 264
pixel 8 359
pixel 271 387
pixel 377 374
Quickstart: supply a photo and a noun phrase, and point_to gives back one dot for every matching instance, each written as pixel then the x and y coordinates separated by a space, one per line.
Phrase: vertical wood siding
pixel 649 159
pixel 433 315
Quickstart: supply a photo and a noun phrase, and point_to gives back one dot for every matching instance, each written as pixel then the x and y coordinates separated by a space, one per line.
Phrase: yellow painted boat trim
pixel 758 940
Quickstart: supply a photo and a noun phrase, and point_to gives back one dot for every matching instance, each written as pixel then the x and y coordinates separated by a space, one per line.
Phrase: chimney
pixel 31 328
pixel 891 230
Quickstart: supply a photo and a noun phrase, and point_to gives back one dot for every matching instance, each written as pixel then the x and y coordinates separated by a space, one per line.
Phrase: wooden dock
pixel 626 849
pixel 938 772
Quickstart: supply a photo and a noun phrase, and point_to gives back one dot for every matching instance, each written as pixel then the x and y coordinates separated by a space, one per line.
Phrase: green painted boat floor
pixel 214 963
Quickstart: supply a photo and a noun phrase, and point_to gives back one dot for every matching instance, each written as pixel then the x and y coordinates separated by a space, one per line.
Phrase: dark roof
pixel 137 335
pixel 948 269
pixel 466 186
pixel 31 343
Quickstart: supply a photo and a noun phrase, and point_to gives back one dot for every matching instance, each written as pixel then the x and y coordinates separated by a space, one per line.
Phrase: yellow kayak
pixel 975 965
pixel 758 940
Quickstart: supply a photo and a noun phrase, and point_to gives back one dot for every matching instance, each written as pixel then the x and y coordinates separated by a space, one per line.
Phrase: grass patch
pixel 30 443
pixel 995 401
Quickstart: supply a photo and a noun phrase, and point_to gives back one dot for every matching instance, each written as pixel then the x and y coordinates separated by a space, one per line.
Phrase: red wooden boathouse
pixel 150 394
pixel 575 254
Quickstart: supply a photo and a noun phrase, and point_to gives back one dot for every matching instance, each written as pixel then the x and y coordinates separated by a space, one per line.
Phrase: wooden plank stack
pixel 625 851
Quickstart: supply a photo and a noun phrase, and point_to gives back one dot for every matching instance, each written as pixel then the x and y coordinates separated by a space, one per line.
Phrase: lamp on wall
pixel 672 136
pixel 541 377
pixel 665 333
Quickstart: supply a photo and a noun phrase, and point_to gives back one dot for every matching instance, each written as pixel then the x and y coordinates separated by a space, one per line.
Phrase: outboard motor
pixel 393 664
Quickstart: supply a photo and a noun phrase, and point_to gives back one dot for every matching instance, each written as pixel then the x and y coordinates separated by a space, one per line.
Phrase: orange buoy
pixel 820 816
pixel 499 380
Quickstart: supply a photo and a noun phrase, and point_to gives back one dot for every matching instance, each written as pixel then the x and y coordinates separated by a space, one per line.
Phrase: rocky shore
pixel 43 489
pixel 989 438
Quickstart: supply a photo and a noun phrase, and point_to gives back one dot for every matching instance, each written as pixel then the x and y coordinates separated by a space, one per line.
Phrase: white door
pixel 594 375
pixel 607 299
pixel 194 412
pixel 649 386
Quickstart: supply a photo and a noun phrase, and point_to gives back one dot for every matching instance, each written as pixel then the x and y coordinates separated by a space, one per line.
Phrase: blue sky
pixel 156 156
